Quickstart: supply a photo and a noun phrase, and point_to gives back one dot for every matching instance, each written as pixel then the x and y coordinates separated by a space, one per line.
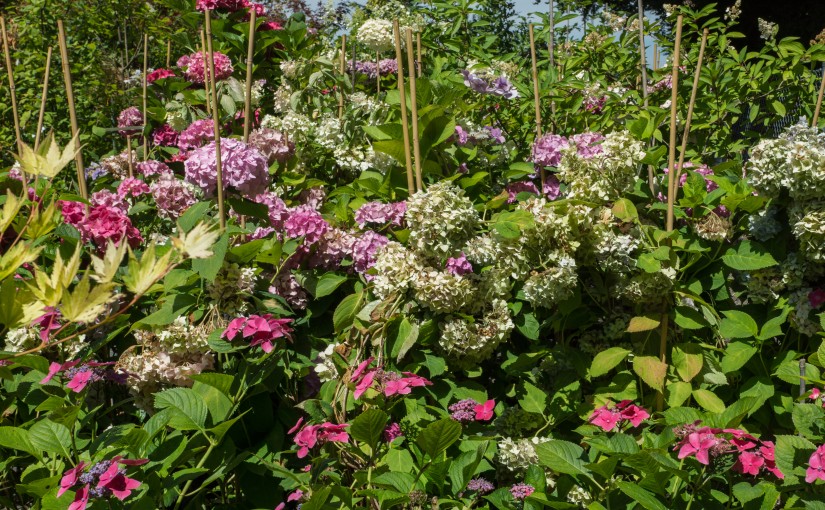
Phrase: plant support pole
pixel 43 97
pixel 402 94
pixel 819 99
pixel 215 119
pixel 342 69
pixel 419 181
pixel 67 78
pixel 692 103
pixel 145 84
pixel 13 93
pixel 536 99
pixel 250 56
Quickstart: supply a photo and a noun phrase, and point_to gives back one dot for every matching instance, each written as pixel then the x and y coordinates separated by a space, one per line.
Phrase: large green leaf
pixel 188 408
pixel 18 439
pixel 534 399
pixel 209 267
pixel 51 437
pixel 792 451
pixel 651 370
pixel 645 498
pixel 369 426
pixel 607 360
pixel 562 457
pixel 346 310
pixel 438 436
pixel 738 324
pixel 748 256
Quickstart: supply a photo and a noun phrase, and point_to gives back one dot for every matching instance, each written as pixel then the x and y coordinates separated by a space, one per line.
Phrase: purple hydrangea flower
pixel 514 188
pixel 463 411
pixel 278 211
pixel 197 134
pixel 381 214
pixel 244 168
pixel 364 250
pixel 306 222
pixel 392 432
pixel 552 187
pixel 480 485
pixel 520 491
pixel 130 117
pixel 588 144
pixel 499 86
pixel 459 266
pixel 547 150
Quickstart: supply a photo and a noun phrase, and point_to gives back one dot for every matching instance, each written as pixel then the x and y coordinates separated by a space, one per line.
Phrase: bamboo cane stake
pixel 145 84
pixel 205 73
pixel 129 155
pixel 819 100
pixel 419 63
pixel 551 43
pixel 692 103
pixel 250 55
pixel 215 120
pixel 377 72
pixel 414 107
pixel 67 78
pixel 671 187
pixel 655 57
pixel 405 128
pixel 643 64
pixel 43 97
pixel 536 99
pixel 169 53
pixel 354 41
pixel 342 62
pixel 13 93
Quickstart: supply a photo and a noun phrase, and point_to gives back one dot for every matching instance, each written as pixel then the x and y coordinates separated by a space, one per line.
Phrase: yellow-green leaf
pixel 651 370
pixel 642 323
pixel 709 401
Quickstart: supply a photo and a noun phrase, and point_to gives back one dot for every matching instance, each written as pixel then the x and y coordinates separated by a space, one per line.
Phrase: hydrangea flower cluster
pixel 129 118
pixel 387 383
pixel 520 491
pixel 232 285
pixel 754 455
pixel 159 74
pixel 468 411
pixel 263 330
pixel 196 134
pixel 274 145
pixel 384 67
pixel 440 220
pixel 480 485
pixel 605 176
pixel 306 222
pixel 518 455
pixel 547 150
pixel 172 196
pixel 608 417
pixel 165 136
pixel 311 436
pixel 194 66
pixel 101 480
pixel 101 224
pixel 487 83
pixel 244 168
pixel 376 34
pixel 379 213
pixel 468 344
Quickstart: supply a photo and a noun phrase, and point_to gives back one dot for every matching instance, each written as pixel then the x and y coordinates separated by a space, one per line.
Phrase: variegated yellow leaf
pixel 16 256
pixel 49 289
pixel 46 160
pixel 197 243
pixel 42 221
pixel 85 303
pixel 143 273
pixel 10 210
pixel 106 267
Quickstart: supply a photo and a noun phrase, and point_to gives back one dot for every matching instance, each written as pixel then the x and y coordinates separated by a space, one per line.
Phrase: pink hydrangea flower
pixel 588 144
pixel 547 150
pixel 364 251
pixel 749 463
pixel 108 198
pixel 81 499
pixel 152 168
pixel 120 485
pixel 194 67
pixel 73 212
pixel 274 145
pixel 458 266
pixel 70 478
pixel 316 435
pixel 243 167
pixel 392 431
pixel 816 466
pixel 131 187
pixel 699 443
pixel 485 411
pixel 605 418
pixel 514 188
pixel 263 329
pixel 307 223
pixel 278 211
pixel 129 118
pixel 47 323
pixel 521 491
pixel 165 136
pixel 159 74
pixel 104 224
pixel 196 135
pixel 172 196
pixel 379 213
pixel 552 187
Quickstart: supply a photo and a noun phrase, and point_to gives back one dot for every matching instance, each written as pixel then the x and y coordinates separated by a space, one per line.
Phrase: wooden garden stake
pixel 250 55
pixel 67 78
pixel 414 111
pixel 205 73
pixel 643 50
pixel 819 100
pixel 145 84
pixel 405 128
pixel 671 187
pixel 377 72
pixel 419 62
pixel 129 155
pixel 215 119
pixel 655 57
pixel 43 97
pixel 169 52
pixel 13 93
pixel 536 99
pixel 342 63
pixel 353 63
pixel 692 103
pixel 551 42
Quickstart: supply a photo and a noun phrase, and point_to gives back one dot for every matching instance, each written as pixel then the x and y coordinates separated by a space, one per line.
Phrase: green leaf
pixel 346 310
pixel 369 426
pixel 736 355
pixel 464 467
pixel 625 210
pixel 808 420
pixel 738 324
pixel 51 437
pixel 689 318
pixel 18 439
pixel 323 286
pixel 534 399
pixel 437 131
pixel 645 498
pixel 677 393
pixel 748 256
pixel 642 323
pixel 209 267
pixel 438 436
pixel 792 451
pixel 188 408
pixel 709 401
pixel 405 339
pixel 688 360
pixel 562 457
pixel 193 215
pixel 607 360
pixel 651 370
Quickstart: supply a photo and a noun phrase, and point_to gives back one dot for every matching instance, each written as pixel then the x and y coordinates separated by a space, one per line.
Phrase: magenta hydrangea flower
pixel 131 187
pixel 226 5
pixel 244 168
pixel 159 74
pixel 547 150
pixel 305 222
pixel 380 213
pixel 153 168
pixel 101 480
pixel 165 136
pixel 816 298
pixel 458 266
pixel 514 188
pixel 607 417
pixel 364 250
pixel 521 491
pixel 101 224
pixel 172 196
pixel 316 435
pixel 392 431
pixel 108 198
pixel 73 212
pixel 816 466
pixel 264 330
pixel 194 67
pixel 130 117
pixel 278 211
pixel 196 134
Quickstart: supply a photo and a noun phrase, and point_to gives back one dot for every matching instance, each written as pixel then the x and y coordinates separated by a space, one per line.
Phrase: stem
pixel 200 465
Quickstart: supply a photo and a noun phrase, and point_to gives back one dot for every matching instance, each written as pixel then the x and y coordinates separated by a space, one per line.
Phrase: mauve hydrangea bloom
pixel 159 74
pixel 384 67
pixel 462 411
pixel 287 286
pixel 244 168
pixel 499 86
pixel 480 485
pixel 552 187
pixel 392 432
pixel 458 266
pixel 313 197
pixel 333 247
pixel 278 211
pixel 107 198
pixel 547 150
pixel 461 136
pixel 165 136
pixel 130 117
pixel 588 144
pixel 131 187
pixel 172 196
pixel 364 250
pixel 380 213
pixel 194 66
pixel 305 222
pixel 274 145
pixel 514 188
pixel 520 491
pixel 198 133
pixel 153 168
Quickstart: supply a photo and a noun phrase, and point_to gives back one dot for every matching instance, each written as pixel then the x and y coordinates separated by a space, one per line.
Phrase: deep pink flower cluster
pixel 130 117
pixel 278 210
pixel 816 298
pixel 165 136
pixel 109 198
pixel 468 410
pixel 703 442
pixel 153 168
pixel 380 213
pixel 458 266
pixel 244 168
pixel 47 323
pixel 816 466
pixel 305 222
pixel 172 196
pixel 547 150
pixel 364 251
pixel 317 435
pixel 274 145
pixel 102 224
pixel 131 187
pixel 81 376
pixel 520 491
pixel 392 431
pixel 229 5
pixel 388 383
pixel 194 66
pixel 159 74
pixel 196 135
pixel 264 330
pixel 607 417
pixel 101 480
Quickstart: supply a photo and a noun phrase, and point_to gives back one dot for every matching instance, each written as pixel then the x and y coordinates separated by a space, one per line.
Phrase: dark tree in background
pixel 501 14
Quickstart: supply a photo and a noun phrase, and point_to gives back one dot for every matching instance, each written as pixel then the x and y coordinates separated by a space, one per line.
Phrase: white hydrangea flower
pixel 325 367
pixel 518 455
pixel 552 286
pixel 468 344
pixel 376 34
pixel 440 220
